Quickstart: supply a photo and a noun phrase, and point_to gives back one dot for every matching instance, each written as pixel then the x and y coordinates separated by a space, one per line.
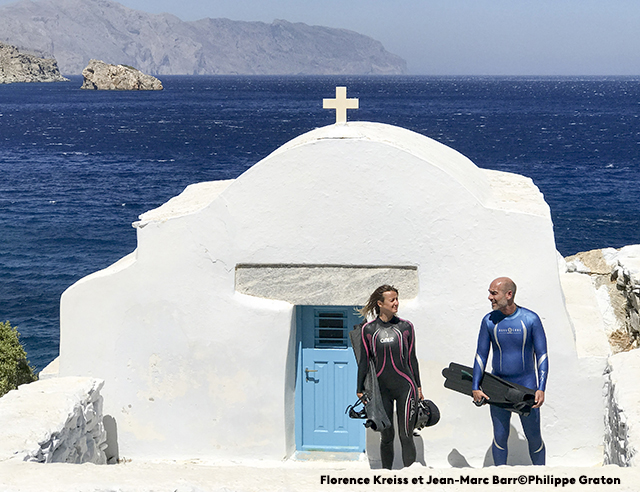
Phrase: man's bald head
pixel 502 292
pixel 505 284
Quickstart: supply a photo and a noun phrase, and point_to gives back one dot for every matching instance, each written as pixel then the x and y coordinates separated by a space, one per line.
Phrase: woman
pixel 390 342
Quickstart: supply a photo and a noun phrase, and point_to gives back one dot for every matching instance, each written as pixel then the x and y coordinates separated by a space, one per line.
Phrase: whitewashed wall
pixel 193 368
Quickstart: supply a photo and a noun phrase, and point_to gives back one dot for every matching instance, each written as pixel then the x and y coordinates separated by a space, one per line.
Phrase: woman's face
pixel 389 304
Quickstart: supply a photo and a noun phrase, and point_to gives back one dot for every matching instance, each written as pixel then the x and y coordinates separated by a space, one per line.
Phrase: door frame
pixel 300 379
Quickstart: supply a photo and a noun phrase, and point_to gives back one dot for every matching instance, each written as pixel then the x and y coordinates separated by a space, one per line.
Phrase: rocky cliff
pixel 103 76
pixel 18 66
pixel 75 31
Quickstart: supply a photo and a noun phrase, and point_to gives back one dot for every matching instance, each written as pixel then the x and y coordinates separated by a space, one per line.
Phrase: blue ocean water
pixel 78 167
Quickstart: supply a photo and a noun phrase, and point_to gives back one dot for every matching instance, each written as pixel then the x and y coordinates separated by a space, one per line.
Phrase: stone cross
pixel 340 104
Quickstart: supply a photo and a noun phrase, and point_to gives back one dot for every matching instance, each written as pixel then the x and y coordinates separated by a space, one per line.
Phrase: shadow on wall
pixel 373 450
pixel 112 451
pixel 518 453
pixel 518 450
pixel 456 460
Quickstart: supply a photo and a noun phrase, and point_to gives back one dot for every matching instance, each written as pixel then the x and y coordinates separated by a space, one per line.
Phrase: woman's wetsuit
pixel 391 345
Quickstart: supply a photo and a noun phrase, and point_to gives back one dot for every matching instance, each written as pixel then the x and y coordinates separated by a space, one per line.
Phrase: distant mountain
pixel 75 31
pixel 17 66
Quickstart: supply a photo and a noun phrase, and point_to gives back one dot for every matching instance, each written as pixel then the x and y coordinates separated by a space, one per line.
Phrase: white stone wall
pixel 622 412
pixel 622 416
pixel 610 280
pixel 55 420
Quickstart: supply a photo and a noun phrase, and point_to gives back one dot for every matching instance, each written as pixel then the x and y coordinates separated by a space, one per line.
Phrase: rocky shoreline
pixel 615 274
pixel 20 66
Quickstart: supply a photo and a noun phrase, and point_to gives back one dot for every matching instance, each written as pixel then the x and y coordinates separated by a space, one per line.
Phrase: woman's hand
pixel 420 396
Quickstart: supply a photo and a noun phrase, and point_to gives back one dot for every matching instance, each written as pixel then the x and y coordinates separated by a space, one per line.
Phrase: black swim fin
pixel 501 393
pixel 375 414
pixel 377 418
pixel 458 378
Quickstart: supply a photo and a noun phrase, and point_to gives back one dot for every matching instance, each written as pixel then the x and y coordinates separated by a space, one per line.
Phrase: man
pixel 519 356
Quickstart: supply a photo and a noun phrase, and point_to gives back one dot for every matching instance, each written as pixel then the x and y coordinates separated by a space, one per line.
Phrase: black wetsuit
pixel 391 345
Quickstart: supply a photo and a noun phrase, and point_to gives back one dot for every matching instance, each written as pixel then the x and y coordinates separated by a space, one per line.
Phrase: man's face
pixel 390 303
pixel 499 296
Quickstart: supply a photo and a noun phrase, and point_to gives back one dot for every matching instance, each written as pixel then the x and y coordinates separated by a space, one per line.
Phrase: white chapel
pixel 225 333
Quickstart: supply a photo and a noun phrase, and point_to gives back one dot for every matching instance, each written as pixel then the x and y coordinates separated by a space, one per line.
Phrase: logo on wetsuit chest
pixel 510 331
pixel 387 339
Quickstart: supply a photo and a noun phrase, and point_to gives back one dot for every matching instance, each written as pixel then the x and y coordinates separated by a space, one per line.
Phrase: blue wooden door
pixel 327 380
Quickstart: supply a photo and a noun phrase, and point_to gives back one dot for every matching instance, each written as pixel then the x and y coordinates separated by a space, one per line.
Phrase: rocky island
pixel 99 75
pixel 19 66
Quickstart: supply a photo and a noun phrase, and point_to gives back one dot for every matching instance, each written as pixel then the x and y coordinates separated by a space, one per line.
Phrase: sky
pixel 459 37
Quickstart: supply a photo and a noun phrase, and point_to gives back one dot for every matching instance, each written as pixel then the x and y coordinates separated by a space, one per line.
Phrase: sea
pixel 78 167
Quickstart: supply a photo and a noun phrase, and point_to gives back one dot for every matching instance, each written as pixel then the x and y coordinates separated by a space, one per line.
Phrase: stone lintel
pixel 323 284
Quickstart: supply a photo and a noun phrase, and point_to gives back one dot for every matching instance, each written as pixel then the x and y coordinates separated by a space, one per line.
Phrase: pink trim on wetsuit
pixel 413 391
pixel 364 342
pixel 384 363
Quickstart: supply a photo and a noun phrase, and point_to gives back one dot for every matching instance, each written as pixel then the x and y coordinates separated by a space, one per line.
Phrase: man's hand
pixel 539 399
pixel 478 395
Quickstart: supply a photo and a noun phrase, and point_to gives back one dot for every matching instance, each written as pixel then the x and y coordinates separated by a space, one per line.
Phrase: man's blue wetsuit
pixel 520 356
pixel 392 347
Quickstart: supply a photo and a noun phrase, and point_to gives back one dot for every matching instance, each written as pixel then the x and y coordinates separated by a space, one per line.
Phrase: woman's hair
pixel 371 307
